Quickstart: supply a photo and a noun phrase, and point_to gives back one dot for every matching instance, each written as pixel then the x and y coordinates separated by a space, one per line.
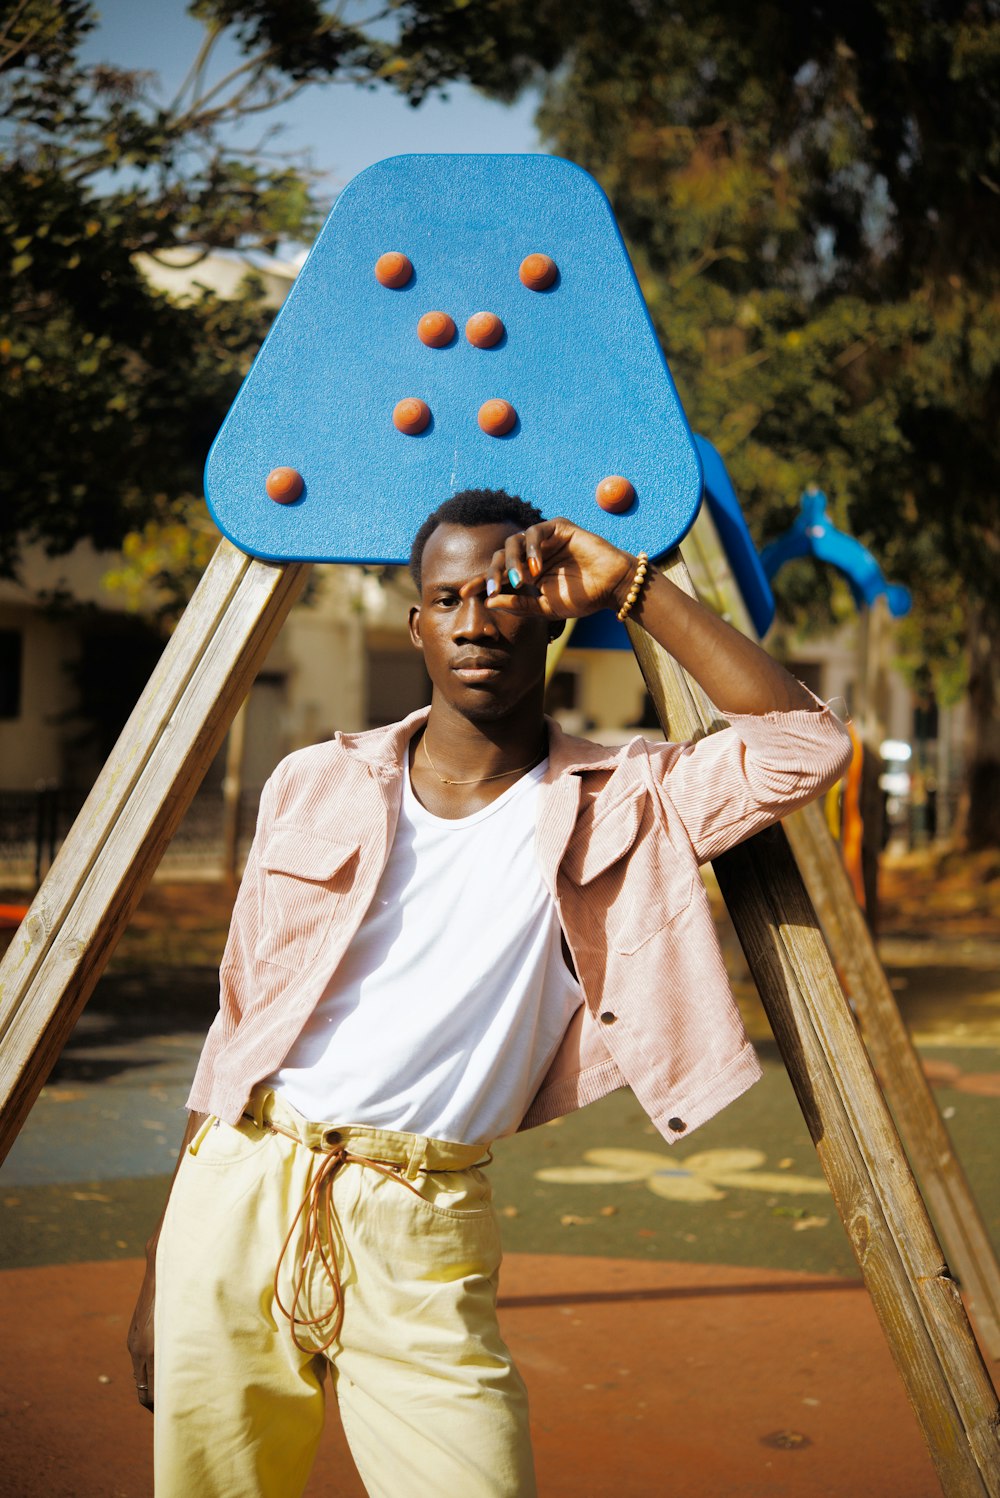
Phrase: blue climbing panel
pixel 579 362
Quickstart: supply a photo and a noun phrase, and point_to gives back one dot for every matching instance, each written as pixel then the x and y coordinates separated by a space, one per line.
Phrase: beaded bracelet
pixel 637 585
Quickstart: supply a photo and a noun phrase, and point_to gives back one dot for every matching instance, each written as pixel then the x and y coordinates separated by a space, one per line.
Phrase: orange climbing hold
pixel 537 272
pixel 411 415
pixel 435 329
pixel 484 329
pixel 284 485
pixel 393 269
pixel 496 417
pixel 615 494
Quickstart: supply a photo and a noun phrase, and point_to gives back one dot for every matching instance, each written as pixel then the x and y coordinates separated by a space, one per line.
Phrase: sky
pixel 344 128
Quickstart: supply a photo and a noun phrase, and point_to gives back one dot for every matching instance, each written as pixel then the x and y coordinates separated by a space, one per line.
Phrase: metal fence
pixel 34 824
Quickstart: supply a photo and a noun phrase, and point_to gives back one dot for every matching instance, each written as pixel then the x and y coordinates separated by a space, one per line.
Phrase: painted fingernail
pixel 491 587
pixel 514 576
pixel 534 563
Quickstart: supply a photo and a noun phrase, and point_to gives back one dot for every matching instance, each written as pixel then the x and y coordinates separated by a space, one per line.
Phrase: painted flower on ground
pixel 694 1179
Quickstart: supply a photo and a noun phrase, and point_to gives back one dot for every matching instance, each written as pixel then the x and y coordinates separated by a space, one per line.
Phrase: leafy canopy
pixel 811 196
pixel 112 392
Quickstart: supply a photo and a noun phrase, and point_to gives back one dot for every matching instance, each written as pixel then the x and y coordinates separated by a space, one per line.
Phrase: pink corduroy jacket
pixel 621 833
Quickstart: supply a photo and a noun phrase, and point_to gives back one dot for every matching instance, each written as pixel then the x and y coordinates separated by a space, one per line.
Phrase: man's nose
pixel 473 619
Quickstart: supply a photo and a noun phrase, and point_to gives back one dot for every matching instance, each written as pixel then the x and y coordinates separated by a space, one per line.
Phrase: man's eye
pixel 445 600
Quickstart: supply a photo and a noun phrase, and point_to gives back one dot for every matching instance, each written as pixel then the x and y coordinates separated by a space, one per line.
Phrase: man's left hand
pixel 555 570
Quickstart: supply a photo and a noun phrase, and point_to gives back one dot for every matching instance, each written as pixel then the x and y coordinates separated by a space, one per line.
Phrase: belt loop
pixel 211 1122
pixel 259 1099
pixel 418 1153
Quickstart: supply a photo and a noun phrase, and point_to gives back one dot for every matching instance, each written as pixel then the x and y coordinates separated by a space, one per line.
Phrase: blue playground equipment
pixel 812 534
pixel 737 542
pixel 369 403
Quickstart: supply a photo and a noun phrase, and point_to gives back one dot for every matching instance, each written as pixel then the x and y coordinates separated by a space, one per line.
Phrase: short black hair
pixel 472 507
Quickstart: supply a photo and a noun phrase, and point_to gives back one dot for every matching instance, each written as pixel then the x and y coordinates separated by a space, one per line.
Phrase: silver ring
pixel 143 1388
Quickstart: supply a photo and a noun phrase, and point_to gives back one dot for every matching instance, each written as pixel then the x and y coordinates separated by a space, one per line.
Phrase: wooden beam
pixel 917 1301
pixel 943 1182
pixel 113 848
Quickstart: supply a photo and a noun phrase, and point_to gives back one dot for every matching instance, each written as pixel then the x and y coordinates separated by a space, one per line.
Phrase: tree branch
pixel 741 366
pixel 197 68
pixel 19 46
pixel 703 261
pixel 254 66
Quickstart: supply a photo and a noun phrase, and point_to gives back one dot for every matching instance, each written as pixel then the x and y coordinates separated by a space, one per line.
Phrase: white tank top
pixel 449 1005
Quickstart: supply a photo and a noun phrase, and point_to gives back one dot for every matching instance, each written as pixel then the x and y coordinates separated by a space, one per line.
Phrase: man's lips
pixel 476 668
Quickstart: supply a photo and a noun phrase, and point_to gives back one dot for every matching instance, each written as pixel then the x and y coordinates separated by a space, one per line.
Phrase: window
pixel 10 673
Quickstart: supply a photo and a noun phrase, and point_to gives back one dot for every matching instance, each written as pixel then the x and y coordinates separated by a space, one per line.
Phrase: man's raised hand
pixel 555 570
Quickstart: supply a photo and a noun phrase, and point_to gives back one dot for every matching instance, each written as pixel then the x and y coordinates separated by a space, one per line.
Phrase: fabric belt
pixel 399 1156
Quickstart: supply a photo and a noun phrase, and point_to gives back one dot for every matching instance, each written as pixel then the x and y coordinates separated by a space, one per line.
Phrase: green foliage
pixel 812 199
pixel 811 195
pixel 501 46
pixel 110 393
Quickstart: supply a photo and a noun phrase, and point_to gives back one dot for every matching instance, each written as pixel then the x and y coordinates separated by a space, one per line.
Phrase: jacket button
pixel 677 1125
pixel 608 1018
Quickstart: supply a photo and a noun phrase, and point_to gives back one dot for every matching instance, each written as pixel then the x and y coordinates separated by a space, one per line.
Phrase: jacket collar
pixel 569 755
pixel 385 748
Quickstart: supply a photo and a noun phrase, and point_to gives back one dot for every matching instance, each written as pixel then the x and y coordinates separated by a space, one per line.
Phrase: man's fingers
pixel 516 561
pixel 520 560
pixel 140 1342
pixel 543 543
pixel 535 538
pixel 516 566
pixel 496 577
pixel 144 1385
pixel 475 585
pixel 527 603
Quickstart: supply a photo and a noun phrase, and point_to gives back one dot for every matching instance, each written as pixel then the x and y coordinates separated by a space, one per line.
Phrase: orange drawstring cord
pixel 317 1205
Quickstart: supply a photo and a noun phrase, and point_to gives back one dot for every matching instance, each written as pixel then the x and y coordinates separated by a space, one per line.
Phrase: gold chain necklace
pixel 480 779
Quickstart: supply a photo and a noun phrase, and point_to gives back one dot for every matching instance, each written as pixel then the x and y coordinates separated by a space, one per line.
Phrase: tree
pixel 112 393
pixel 812 199
pixel 811 196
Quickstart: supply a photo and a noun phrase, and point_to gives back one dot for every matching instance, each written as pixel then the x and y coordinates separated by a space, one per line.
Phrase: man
pixel 448 929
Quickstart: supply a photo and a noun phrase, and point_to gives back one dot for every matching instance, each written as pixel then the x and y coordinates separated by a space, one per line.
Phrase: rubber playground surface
pixel 690 1322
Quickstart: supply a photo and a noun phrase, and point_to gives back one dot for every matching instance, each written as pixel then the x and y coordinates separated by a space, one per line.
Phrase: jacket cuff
pixel 813 738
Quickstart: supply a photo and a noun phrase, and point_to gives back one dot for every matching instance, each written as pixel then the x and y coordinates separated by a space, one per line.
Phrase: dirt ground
pixel 941 893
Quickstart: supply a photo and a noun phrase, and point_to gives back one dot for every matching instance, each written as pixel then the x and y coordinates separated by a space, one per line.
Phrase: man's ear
pixel 555 628
pixel 414 623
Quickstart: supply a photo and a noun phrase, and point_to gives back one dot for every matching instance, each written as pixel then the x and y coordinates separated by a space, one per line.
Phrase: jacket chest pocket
pixel 631 881
pixel 306 880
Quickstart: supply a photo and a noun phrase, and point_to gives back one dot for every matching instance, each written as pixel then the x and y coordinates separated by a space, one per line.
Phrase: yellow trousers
pixel 393 1254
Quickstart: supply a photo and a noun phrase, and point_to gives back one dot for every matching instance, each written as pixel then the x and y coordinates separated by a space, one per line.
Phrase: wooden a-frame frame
pixel 138 800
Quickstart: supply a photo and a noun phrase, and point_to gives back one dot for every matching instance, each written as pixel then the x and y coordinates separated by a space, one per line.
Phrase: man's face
pixel 483 663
